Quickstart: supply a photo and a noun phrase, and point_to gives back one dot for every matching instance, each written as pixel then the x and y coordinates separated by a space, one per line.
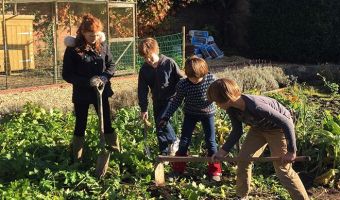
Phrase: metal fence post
pixel 55 39
pixel 4 37
pixel 108 23
pixel 134 10
pixel 183 46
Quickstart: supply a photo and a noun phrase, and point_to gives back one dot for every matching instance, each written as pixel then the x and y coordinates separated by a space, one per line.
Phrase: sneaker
pixel 216 178
pixel 215 171
pixel 173 176
pixel 174 147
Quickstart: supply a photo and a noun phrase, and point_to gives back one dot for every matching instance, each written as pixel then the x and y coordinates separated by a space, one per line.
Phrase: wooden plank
pixel 15 54
pixel 31 47
pixel 128 39
pixel 121 4
pixel 2 59
pixel 17 17
pixel 2 63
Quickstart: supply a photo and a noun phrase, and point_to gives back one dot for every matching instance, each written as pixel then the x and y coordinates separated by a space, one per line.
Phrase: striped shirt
pixel 194 96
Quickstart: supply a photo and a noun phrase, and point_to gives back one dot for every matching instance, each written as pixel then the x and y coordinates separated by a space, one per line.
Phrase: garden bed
pixel 34 146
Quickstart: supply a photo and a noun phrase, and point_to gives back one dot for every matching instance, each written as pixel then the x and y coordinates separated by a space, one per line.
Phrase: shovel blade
pixel 147 152
pixel 102 164
pixel 159 174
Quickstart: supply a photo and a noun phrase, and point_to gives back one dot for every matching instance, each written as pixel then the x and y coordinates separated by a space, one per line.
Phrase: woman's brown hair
pixel 222 90
pixel 195 67
pixel 89 24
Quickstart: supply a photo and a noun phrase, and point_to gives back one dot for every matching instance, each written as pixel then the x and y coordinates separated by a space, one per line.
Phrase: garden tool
pixel 147 125
pixel 159 169
pixel 104 155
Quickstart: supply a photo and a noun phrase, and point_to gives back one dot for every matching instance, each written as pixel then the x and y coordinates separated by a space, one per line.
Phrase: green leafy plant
pixel 332 87
pixel 35 161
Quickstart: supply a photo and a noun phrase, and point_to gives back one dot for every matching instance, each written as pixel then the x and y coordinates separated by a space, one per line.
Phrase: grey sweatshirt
pixel 264 113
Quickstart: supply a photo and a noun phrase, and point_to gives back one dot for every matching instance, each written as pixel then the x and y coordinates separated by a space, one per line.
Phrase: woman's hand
pixel 144 115
pixel 289 157
pixel 95 81
pixel 218 155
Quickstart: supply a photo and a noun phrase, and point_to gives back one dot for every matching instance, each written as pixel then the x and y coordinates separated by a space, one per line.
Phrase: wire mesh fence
pixel 35 35
pixel 169 45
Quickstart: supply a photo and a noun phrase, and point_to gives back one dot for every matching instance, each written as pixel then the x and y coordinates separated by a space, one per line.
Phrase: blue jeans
pixel 188 127
pixel 165 135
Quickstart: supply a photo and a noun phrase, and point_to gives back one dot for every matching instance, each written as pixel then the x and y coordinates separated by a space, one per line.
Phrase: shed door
pixel 19 43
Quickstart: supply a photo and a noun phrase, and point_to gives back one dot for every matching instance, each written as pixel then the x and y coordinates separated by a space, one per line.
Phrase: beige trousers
pixel 253 146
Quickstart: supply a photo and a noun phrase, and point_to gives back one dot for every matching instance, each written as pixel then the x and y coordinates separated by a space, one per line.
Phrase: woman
pixel 87 65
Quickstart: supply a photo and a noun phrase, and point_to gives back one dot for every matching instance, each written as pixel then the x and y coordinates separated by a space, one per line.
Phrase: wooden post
pixel 15 9
pixel 4 37
pixel 183 46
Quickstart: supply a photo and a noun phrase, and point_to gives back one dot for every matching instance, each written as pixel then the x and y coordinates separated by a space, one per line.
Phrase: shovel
pixel 104 155
pixel 159 169
pixel 147 125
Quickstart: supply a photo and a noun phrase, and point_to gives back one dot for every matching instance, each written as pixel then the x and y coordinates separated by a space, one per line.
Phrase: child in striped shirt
pixel 192 90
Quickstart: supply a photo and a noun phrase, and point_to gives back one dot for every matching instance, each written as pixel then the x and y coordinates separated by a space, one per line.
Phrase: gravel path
pixel 57 96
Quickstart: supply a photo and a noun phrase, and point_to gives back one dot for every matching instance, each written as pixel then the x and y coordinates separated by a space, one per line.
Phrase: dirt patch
pixel 329 103
pixel 324 193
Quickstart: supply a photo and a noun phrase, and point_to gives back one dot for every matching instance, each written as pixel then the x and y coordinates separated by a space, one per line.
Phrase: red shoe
pixel 179 167
pixel 215 171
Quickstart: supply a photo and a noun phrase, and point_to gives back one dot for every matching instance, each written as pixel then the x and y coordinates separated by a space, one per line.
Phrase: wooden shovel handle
pixel 226 159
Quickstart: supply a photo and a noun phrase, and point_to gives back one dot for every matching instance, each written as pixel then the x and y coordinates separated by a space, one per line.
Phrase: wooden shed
pixel 19 29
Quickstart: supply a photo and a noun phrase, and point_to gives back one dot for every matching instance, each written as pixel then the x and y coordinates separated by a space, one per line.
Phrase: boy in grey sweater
pixel 271 124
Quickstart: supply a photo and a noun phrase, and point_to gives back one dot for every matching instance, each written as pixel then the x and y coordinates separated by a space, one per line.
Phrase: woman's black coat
pixel 80 67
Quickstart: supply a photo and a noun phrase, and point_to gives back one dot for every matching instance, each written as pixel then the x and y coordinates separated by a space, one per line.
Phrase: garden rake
pixel 159 169
pixel 104 155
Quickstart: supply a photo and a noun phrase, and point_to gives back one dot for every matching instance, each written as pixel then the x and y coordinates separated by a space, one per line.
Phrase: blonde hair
pixel 147 47
pixel 195 67
pixel 222 90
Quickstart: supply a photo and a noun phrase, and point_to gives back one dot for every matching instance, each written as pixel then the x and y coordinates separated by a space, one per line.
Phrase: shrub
pixel 262 78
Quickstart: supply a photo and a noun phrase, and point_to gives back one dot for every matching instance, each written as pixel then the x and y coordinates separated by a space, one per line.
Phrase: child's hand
pixel 218 155
pixel 288 157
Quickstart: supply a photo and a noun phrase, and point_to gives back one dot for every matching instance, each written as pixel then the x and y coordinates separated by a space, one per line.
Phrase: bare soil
pixel 321 193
